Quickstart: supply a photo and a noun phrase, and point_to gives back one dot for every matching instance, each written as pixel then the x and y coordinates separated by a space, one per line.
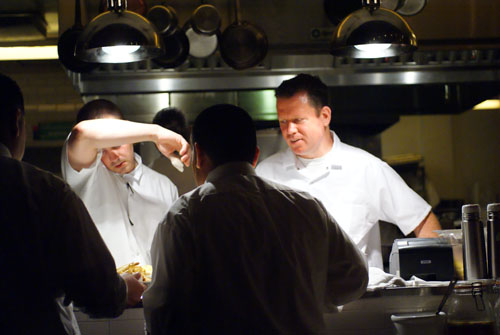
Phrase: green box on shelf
pixel 52 131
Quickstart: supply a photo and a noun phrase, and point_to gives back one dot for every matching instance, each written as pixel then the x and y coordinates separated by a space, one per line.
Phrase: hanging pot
pixel 243 45
pixel 201 45
pixel 67 43
pixel 390 4
pixel 164 18
pixel 203 31
pixel 175 40
pixel 176 50
pixel 411 7
pixel 206 19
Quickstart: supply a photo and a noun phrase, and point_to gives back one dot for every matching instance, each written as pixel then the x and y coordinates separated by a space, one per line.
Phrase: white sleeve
pixel 396 201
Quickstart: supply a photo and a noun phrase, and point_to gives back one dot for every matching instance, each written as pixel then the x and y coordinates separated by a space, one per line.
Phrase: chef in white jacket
pixel 125 198
pixel 357 188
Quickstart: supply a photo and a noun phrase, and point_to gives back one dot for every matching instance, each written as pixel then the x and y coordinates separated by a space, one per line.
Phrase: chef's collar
pixel 292 162
pixel 232 168
pixel 136 174
pixel 4 151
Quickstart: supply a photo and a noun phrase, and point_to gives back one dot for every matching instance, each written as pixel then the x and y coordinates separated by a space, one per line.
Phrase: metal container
pixel 473 243
pixel 493 228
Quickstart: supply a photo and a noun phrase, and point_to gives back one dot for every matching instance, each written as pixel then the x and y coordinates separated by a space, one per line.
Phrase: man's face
pixel 119 159
pixel 304 130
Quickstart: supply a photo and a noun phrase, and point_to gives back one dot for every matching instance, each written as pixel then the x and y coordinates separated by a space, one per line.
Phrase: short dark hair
pixel 226 133
pixel 98 108
pixel 315 89
pixel 11 99
pixel 174 120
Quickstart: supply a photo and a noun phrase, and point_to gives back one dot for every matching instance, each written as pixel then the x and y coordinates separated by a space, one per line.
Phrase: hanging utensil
pixel 206 19
pixel 411 7
pixel 67 43
pixel 176 42
pixel 390 4
pixel 243 45
pixel 203 31
pixel 164 18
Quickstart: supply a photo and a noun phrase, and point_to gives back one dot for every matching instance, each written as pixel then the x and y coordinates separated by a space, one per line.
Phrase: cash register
pixel 430 259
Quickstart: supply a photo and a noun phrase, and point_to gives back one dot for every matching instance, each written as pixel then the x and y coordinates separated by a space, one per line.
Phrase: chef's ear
pixel 256 156
pixel 200 156
pixel 19 122
pixel 326 115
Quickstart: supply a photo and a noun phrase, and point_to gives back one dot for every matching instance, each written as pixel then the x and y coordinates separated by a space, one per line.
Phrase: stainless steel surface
pixel 455 46
pixel 473 243
pixel 452 67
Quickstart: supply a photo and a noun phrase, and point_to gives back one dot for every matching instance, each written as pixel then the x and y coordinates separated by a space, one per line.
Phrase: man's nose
pixel 112 153
pixel 291 128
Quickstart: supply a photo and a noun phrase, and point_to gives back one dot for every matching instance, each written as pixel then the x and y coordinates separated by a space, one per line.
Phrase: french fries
pixel 145 270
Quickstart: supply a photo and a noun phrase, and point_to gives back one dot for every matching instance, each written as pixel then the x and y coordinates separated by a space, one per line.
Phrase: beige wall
pixel 49 95
pixel 461 152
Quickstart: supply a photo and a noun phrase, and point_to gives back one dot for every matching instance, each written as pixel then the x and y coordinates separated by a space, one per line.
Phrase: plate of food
pixel 145 270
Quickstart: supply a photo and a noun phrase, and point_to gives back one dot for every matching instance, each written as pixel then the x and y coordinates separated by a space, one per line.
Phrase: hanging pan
pixel 67 43
pixel 176 43
pixel 243 45
pixel 203 31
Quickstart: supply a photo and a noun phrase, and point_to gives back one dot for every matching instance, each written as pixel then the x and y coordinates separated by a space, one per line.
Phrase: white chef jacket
pixel 357 188
pixel 242 255
pixel 125 208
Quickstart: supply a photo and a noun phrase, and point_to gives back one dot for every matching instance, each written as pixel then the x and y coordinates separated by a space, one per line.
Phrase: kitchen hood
pixel 456 66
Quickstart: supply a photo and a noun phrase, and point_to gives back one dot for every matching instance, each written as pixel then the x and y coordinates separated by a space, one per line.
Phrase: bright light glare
pixel 373 47
pixel 121 49
pixel 488 104
pixel 28 53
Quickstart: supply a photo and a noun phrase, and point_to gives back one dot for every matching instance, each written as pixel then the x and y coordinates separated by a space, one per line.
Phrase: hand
pixel 134 288
pixel 169 142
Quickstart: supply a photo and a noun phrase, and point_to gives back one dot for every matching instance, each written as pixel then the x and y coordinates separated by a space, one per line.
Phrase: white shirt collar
pixel 4 151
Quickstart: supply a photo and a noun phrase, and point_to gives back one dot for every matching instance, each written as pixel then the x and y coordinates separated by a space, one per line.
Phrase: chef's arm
pixel 87 137
pixel 427 226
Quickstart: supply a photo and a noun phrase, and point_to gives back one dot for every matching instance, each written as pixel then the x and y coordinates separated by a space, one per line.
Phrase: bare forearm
pixel 87 137
pixel 106 133
pixel 427 227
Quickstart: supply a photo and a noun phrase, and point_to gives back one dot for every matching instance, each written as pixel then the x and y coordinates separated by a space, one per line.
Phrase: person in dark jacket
pixel 49 247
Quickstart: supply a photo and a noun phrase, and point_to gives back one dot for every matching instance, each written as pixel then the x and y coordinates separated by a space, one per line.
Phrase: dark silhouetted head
pixel 174 120
pixel 226 133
